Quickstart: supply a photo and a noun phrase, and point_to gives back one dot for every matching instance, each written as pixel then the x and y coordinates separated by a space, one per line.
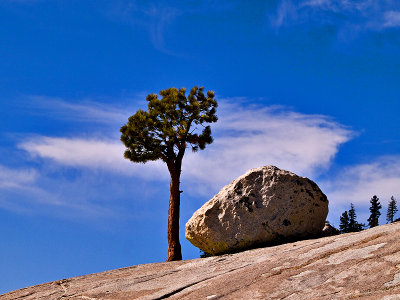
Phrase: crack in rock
pixel 196 282
pixel 64 288
pixel 153 276
pixel 394 282
pixel 174 292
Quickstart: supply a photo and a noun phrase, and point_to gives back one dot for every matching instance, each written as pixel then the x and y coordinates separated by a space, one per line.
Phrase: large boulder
pixel 264 206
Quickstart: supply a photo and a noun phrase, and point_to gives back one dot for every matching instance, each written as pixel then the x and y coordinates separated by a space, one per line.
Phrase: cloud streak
pixel 155 18
pixel 33 192
pixel 392 19
pixel 90 153
pixel 245 137
pixel 24 184
pixel 16 179
pixel 85 111
pixel 158 17
pixel 357 184
pixel 255 136
pixel 347 16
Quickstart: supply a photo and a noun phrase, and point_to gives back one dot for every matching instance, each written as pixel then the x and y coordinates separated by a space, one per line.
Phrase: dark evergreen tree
pixel 344 222
pixel 392 209
pixel 360 227
pixel 373 219
pixel 352 218
pixel 164 131
pixel 354 226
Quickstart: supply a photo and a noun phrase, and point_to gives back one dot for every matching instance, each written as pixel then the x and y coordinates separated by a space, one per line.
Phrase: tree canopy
pixel 164 130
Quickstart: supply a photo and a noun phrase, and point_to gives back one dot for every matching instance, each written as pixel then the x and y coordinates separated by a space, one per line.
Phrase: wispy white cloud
pixel 249 137
pixel 16 178
pixel 341 5
pixel 392 19
pixel 154 17
pixel 286 14
pixel 84 111
pixel 159 17
pixel 347 16
pixel 23 182
pixel 34 192
pixel 90 153
pixel 245 137
pixel 358 183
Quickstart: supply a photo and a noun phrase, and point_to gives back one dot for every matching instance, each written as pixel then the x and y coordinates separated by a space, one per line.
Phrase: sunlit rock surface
pixel 266 205
pixel 363 265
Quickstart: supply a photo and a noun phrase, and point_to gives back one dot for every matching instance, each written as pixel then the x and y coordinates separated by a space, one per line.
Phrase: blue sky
pixel 309 86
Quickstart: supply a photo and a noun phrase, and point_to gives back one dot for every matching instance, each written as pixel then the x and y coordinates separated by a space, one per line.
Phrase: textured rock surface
pixel 329 230
pixel 363 265
pixel 265 205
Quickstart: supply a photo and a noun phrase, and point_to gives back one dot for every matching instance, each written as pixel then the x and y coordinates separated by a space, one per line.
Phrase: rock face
pixel 264 206
pixel 362 265
pixel 329 230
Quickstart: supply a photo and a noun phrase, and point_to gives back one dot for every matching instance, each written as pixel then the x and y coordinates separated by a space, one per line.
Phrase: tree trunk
pixel 174 246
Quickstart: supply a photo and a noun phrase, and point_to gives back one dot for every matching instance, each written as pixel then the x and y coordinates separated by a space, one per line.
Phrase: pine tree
pixel 392 209
pixel 164 131
pixel 360 227
pixel 352 218
pixel 373 219
pixel 344 222
pixel 354 226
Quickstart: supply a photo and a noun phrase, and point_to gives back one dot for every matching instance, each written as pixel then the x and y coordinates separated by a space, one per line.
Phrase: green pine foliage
pixel 391 211
pixel 354 226
pixel 348 221
pixel 169 125
pixel 374 209
pixel 352 218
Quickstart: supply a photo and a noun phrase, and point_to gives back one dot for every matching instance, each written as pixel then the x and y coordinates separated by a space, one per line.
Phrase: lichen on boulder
pixel 264 206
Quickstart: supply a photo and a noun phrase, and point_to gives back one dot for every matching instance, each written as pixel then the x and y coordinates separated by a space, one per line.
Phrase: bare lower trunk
pixel 174 246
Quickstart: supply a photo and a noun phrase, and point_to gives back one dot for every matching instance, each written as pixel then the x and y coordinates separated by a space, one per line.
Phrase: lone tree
pixel 169 126
pixel 392 210
pixel 373 219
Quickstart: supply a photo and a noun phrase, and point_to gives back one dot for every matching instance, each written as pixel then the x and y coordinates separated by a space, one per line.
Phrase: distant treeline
pixel 348 219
